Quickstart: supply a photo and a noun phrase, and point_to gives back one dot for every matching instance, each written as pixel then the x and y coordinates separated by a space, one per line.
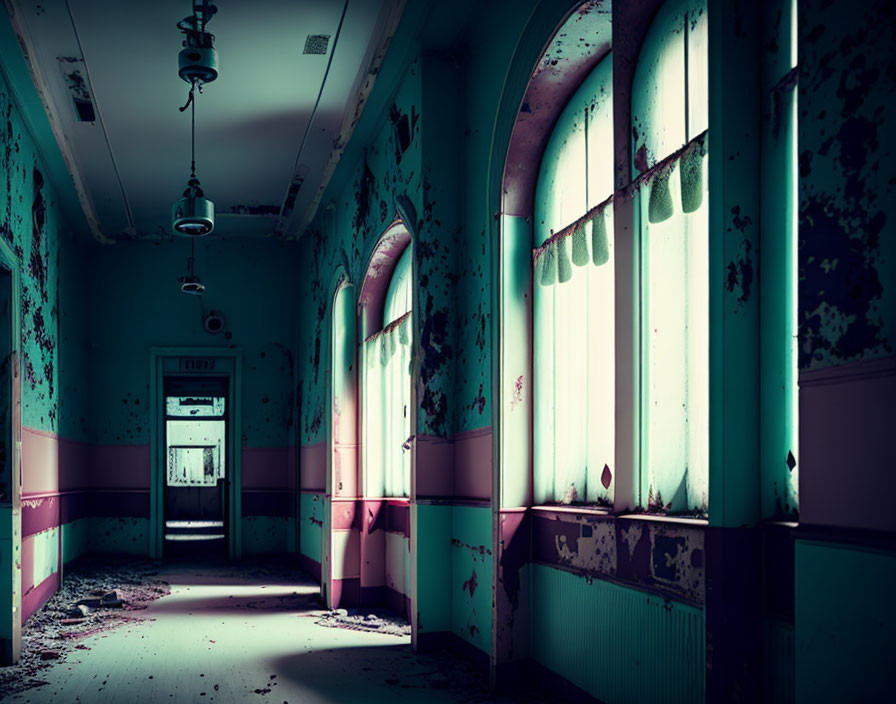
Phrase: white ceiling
pixel 133 162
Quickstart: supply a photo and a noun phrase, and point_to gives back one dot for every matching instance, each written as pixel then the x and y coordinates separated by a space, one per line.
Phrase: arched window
pixel 573 307
pixel 343 421
pixel 669 115
pixel 387 389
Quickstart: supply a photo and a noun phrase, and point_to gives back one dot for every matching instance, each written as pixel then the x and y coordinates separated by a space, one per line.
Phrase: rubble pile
pixel 358 620
pixel 94 597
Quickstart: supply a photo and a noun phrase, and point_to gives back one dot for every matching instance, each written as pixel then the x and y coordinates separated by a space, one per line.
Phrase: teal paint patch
pixel 471 575
pixel 74 539
pixel 31 224
pixel 311 512
pixel 134 292
pixel 45 546
pixel 16 72
pixel 432 534
pixel 344 234
pixel 265 535
pixel 128 536
pixel 74 352
pixel 646 648
pixel 847 247
pixel 778 662
pixel 843 624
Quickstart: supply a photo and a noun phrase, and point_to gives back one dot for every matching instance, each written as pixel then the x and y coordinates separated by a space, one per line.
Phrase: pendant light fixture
pixel 194 214
pixel 191 283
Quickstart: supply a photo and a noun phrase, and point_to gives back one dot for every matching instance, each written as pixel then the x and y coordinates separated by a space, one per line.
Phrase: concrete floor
pixel 221 636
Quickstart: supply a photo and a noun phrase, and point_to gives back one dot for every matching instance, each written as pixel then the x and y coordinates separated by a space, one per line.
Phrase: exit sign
pixel 197 364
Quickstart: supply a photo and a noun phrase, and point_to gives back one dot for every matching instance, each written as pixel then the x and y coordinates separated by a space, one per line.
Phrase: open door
pixel 196 467
pixel 10 467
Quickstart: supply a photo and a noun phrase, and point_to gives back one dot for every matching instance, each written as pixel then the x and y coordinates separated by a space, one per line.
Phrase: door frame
pixel 11 649
pixel 157 357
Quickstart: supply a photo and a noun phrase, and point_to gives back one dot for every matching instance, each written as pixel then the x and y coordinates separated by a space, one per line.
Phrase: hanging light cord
pixel 193 133
pixel 191 103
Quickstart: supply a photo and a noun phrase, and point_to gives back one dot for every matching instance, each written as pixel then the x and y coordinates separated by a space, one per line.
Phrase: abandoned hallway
pixel 236 634
pixel 416 350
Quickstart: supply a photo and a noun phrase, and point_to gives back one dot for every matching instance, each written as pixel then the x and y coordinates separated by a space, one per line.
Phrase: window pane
pixel 194 406
pixel 698 70
pixel 398 297
pixel 675 349
pixel 658 93
pixel 576 171
pixel 195 452
pixel 669 94
pixel 574 348
pixel 387 412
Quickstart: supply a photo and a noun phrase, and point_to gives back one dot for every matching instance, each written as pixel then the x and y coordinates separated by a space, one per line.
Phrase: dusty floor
pixel 227 634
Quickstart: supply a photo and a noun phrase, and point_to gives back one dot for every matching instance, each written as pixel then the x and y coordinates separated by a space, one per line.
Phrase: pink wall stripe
pixel 120 466
pixel 266 467
pixel 313 461
pixel 460 466
pixel 473 464
pixel 39 595
pixel 74 464
pixel 435 466
pixel 40 461
pixel 291 459
pixel 848 401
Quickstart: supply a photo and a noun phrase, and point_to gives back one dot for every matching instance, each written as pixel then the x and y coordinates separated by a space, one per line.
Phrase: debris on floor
pixel 95 596
pixel 365 620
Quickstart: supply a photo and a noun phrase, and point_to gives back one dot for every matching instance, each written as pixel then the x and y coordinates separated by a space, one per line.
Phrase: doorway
pixel 10 465
pixel 195 464
pixel 196 460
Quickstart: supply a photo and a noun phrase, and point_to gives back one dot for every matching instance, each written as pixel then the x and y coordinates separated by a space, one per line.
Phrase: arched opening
pixel 388 418
pixel 341 567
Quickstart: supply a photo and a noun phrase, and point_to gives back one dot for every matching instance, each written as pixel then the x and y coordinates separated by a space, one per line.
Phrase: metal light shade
pixel 198 64
pixel 194 214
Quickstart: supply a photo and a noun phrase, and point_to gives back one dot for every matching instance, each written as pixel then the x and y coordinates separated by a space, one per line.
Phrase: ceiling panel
pixel 134 158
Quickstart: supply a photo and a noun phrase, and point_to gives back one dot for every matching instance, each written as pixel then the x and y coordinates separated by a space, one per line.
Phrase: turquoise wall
pixel 847 255
pixel 74 358
pixel 471 575
pixel 30 222
pixel 344 234
pixel 136 303
pixel 618 644
pixel 311 516
pixel 51 358
pixel 843 622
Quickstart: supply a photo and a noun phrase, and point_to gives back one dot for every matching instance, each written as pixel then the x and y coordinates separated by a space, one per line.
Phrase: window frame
pixel 382 262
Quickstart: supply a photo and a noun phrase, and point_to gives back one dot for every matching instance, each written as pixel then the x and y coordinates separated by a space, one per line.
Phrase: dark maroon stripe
pixel 39 596
pixel 120 504
pixel 268 503
pixel 74 505
pixel 373 596
pixel 44 512
pixel 40 514
pixel 398 602
pixel 398 518
pixel 547 533
pixel 346 592
pixel 346 515
pixel 660 557
pixel 310 566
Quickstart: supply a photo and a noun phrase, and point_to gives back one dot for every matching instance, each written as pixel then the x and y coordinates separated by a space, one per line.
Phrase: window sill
pixel 588 510
pixel 597 511
pixel 656 518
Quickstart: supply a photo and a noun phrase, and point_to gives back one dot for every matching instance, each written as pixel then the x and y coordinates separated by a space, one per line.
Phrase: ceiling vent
pixel 316 43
